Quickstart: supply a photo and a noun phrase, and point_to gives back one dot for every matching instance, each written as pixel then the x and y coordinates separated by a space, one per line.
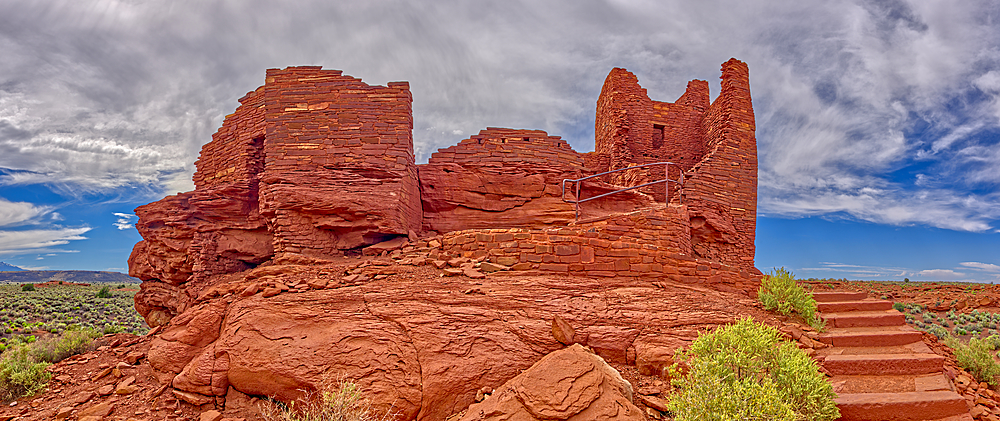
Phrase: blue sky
pixel 878 121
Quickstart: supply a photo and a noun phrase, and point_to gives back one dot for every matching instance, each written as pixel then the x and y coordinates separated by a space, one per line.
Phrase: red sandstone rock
pixel 569 384
pixel 562 331
pixel 421 346
pixel 315 163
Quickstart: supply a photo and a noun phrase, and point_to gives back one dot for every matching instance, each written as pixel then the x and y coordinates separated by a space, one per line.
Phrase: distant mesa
pixel 65 276
pixel 4 267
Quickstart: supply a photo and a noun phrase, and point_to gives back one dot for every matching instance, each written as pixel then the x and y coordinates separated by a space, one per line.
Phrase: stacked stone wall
pixel 721 190
pixel 646 244
pixel 511 147
pixel 499 178
pixel 680 130
pixel 233 155
pixel 714 144
pixel 340 170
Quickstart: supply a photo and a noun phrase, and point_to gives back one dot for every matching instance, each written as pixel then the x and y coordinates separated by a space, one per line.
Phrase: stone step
pixel 906 406
pixel 914 348
pixel 865 318
pixel 868 339
pixel 890 383
pixel 863 305
pixel 827 297
pixel 886 364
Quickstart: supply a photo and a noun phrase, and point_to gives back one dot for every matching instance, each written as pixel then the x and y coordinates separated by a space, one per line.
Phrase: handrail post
pixel 577 213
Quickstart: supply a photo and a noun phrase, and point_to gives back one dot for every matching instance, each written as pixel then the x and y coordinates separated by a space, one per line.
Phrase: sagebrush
pixel 745 371
pixel 21 374
pixel 976 357
pixel 779 291
pixel 23 364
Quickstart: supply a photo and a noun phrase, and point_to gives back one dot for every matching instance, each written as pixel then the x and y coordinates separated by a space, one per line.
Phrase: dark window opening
pixel 657 136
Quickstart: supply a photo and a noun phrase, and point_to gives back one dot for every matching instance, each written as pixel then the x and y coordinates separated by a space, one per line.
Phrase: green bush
pixel 105 292
pixel 747 372
pixel 20 374
pixel 28 287
pixel 779 291
pixel 112 328
pixel 57 348
pixel 976 358
pixel 899 307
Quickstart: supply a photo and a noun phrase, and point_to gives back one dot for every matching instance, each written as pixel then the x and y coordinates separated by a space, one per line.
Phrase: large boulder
pixel 572 383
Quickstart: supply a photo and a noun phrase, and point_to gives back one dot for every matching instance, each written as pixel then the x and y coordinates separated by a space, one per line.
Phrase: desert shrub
pixel 976 358
pixel 105 292
pixel 899 307
pixel 20 374
pixel 339 401
pixel 57 348
pixel 28 287
pixel 747 372
pixel 779 291
pixel 112 328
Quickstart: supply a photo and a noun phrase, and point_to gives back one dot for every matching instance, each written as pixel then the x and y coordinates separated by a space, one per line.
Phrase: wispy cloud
pixel 39 240
pixel 982 272
pixel 125 220
pixel 858 271
pixel 19 213
pixel 985 267
pixel 940 274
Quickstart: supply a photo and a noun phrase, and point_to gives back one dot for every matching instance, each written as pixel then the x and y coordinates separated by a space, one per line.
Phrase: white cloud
pixel 988 82
pixel 985 267
pixel 859 271
pixel 124 221
pixel 940 274
pixel 39 240
pixel 19 213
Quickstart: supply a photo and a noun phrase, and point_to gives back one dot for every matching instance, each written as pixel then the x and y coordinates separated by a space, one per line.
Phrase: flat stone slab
pixel 826 297
pixel 844 306
pixel 870 338
pixel 883 364
pixel 906 406
pixel 866 318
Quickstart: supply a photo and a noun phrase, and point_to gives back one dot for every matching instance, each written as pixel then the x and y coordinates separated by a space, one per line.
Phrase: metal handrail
pixel 579 182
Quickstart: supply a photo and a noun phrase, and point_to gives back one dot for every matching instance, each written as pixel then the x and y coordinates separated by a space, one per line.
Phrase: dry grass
pixel 341 400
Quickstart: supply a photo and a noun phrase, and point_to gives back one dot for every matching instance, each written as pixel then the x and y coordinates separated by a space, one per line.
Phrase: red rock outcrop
pixel 415 342
pixel 315 165
pixel 568 384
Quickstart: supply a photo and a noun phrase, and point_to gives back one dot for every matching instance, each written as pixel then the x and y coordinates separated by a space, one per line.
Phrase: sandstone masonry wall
pixel 653 243
pixel 339 167
pixel 713 144
pixel 315 163
pixel 498 178
pixel 721 190
pixel 234 154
